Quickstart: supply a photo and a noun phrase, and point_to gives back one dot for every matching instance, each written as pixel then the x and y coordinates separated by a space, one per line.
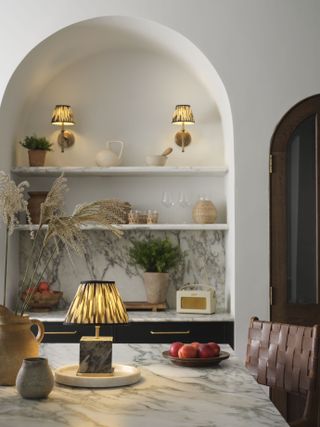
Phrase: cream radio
pixel 196 299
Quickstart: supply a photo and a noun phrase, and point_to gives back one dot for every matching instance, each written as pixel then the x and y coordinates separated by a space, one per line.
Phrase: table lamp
pixel 183 116
pixel 63 116
pixel 96 303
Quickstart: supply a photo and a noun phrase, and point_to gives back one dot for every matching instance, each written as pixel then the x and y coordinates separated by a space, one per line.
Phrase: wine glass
pixel 167 201
pixel 184 201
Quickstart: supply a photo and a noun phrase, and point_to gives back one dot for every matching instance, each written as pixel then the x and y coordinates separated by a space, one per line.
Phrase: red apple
pixel 174 348
pixel 195 344
pixel 43 286
pixel 187 351
pixel 215 348
pixel 205 351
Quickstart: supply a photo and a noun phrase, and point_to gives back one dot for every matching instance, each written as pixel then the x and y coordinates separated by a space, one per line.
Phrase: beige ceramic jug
pixel 108 157
pixel 17 342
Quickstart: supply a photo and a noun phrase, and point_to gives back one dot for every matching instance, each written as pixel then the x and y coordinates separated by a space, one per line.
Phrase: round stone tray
pixel 122 375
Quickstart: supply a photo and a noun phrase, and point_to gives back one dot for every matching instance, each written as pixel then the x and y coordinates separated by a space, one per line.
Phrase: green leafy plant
pixel 36 143
pixel 155 255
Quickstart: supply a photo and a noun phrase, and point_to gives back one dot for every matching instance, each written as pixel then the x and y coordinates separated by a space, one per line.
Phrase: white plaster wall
pixel 127 95
pixel 267 54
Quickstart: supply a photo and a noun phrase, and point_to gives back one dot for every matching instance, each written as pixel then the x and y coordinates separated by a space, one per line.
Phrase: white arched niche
pixel 123 77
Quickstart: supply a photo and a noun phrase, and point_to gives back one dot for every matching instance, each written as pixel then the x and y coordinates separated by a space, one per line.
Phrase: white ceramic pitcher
pixel 108 157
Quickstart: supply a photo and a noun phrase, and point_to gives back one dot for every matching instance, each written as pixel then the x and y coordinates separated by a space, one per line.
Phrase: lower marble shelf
pixel 145 316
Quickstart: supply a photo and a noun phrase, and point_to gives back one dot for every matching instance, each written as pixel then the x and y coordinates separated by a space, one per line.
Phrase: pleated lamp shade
pixel 183 115
pixel 62 115
pixel 97 302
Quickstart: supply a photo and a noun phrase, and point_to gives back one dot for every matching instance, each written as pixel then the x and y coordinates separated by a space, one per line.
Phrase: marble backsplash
pixel 107 258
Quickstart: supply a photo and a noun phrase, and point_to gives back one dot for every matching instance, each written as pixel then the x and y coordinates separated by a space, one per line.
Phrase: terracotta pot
pixel 156 285
pixel 17 342
pixel 35 378
pixel 34 204
pixel 37 157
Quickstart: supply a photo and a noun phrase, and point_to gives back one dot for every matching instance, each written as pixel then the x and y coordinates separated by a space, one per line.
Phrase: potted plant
pixel 156 257
pixel 37 148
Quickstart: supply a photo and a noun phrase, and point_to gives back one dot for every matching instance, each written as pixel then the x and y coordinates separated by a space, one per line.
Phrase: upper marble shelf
pixel 121 171
pixel 25 227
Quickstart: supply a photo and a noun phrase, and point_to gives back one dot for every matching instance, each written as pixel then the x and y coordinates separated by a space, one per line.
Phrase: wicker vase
pixel 204 212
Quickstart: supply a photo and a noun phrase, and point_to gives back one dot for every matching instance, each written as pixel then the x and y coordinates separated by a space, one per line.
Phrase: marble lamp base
pixel 95 356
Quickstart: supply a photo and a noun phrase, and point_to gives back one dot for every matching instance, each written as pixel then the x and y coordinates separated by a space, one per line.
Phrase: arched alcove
pixel 123 78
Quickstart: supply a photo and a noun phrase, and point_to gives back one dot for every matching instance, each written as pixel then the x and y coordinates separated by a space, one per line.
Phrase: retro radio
pixel 196 299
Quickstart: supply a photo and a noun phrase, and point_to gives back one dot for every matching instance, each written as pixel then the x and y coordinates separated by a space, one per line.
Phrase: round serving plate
pixel 196 362
pixel 122 375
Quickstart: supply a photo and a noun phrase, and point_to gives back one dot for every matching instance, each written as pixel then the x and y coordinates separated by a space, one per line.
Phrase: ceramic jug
pixel 108 157
pixel 17 342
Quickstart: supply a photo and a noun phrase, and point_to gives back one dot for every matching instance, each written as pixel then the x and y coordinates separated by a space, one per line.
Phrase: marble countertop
pixel 144 316
pixel 167 395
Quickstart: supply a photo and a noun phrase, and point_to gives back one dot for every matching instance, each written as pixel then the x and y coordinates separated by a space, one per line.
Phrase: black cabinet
pixel 144 332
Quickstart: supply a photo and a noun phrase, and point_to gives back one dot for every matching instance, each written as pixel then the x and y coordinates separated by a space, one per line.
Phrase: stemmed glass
pixel 167 201
pixel 184 201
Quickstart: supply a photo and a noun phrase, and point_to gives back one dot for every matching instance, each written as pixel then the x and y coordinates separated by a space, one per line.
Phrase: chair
pixel 286 357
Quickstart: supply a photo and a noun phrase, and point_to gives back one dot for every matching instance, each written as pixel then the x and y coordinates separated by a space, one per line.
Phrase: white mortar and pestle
pixel 158 159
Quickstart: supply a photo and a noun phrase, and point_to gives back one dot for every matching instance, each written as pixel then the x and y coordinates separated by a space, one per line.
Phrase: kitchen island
pixel 166 396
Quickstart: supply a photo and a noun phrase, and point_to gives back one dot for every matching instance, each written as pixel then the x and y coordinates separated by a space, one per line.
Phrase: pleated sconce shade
pixel 183 115
pixel 97 302
pixel 62 114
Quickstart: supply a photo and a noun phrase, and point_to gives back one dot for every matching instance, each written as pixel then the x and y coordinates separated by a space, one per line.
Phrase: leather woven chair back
pixel 284 356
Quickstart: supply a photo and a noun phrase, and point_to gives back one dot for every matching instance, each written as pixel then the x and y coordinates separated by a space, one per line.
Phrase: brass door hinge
pixel 271 295
pixel 270 164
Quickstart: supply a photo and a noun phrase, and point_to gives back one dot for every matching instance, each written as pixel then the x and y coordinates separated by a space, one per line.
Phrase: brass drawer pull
pixel 61 333
pixel 169 332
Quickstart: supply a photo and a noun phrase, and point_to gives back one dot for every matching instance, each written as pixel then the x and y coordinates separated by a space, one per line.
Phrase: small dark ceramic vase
pixel 35 378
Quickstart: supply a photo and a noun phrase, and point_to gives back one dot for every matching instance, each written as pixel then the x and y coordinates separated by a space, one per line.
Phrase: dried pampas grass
pixel 67 231
pixel 12 201
pixel 53 205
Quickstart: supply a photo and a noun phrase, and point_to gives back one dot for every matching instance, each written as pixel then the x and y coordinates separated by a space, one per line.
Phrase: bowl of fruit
pixel 43 298
pixel 195 354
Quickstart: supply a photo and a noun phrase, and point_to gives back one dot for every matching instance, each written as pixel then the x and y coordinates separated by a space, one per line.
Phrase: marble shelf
pixel 145 316
pixel 120 171
pixel 155 227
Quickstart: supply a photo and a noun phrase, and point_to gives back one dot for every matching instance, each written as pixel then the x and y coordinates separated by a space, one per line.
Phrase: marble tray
pixel 122 375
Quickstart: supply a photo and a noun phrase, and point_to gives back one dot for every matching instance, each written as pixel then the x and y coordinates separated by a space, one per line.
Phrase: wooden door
pixel 294 224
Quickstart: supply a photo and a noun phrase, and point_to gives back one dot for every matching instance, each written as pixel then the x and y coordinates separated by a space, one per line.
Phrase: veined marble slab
pixel 145 316
pixel 167 396
pixel 107 259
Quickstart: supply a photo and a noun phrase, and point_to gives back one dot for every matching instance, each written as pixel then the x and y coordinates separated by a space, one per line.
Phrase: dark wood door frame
pixel 280 311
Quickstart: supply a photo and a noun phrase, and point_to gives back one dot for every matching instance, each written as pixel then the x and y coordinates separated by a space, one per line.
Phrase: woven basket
pixel 44 300
pixel 204 212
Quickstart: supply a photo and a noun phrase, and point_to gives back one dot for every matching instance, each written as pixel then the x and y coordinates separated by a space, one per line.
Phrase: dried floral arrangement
pixel 64 231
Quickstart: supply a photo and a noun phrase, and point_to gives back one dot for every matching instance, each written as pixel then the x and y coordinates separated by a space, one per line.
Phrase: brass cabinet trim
pixel 169 332
pixel 61 333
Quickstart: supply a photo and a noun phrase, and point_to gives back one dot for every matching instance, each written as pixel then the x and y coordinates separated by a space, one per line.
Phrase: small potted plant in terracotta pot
pixel 37 149
pixel 156 257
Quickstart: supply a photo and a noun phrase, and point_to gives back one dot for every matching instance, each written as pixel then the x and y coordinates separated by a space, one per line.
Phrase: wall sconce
pixel 63 116
pixel 182 116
